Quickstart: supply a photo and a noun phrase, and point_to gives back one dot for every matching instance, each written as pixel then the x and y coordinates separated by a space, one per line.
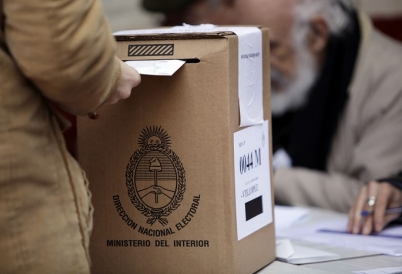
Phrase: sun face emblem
pixel 155 177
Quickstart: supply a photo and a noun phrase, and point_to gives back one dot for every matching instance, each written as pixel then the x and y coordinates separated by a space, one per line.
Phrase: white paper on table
pixel 252 179
pixel 388 270
pixel 250 65
pixel 297 254
pixel 286 216
pixel 156 67
pixel 340 226
pixel 312 233
pixel 284 248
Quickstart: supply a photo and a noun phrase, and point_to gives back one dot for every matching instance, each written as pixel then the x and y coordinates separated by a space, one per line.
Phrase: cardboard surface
pixel 161 165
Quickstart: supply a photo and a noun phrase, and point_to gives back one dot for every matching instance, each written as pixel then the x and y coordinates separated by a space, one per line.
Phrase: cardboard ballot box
pixel 178 185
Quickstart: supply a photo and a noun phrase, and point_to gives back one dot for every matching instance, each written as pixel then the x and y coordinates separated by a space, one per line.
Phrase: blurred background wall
pixel 382 8
pixel 386 15
pixel 128 14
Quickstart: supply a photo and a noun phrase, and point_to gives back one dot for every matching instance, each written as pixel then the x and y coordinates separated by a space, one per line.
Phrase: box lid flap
pixel 186 32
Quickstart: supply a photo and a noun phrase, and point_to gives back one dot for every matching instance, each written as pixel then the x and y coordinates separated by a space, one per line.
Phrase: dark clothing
pixel 307 133
pixel 395 181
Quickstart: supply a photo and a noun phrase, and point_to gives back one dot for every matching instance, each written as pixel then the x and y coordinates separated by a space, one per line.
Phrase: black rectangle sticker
pixel 253 208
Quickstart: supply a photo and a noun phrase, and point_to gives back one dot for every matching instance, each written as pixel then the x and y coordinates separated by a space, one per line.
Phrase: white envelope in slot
pixel 156 67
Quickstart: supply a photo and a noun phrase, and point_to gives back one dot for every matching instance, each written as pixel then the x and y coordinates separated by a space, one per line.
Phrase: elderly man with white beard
pixel 336 95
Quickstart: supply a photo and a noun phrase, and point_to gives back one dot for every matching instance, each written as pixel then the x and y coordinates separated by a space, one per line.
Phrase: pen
pixel 387 211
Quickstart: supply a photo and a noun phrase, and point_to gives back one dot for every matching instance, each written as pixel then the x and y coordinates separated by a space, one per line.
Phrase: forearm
pixel 303 187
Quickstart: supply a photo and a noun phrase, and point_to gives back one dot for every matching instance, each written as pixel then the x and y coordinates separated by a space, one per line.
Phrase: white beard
pixel 295 92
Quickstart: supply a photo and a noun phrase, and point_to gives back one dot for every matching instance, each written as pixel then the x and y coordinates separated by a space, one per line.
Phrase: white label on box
pixel 250 65
pixel 250 76
pixel 252 179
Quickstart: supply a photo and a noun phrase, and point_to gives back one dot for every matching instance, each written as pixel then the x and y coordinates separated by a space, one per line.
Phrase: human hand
pixel 385 196
pixel 129 79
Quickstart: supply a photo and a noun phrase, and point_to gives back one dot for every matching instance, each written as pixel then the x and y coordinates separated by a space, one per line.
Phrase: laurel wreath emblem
pixel 155 214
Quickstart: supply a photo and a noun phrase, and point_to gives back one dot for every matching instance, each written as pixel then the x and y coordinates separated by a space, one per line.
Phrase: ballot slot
pixel 166 67
pixel 186 60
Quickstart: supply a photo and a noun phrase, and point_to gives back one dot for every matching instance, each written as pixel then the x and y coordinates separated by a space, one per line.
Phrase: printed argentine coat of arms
pixel 155 177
